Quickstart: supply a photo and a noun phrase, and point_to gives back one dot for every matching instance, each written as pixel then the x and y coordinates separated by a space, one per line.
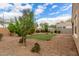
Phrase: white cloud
pixel 41 8
pixel 15 10
pixel 10 15
pixel 46 4
pixel 54 6
pixel 54 20
pixel 66 7
pixel 27 6
pixel 3 5
pixel 38 11
pixel 53 13
pixel 20 7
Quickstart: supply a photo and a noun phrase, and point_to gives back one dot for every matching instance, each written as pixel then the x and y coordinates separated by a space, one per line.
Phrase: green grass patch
pixel 41 36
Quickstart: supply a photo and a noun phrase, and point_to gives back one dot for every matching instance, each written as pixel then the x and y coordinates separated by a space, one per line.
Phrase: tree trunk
pixel 11 34
pixel 23 41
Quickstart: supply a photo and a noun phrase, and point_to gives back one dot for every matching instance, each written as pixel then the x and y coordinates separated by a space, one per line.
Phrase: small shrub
pixel 55 31
pixel 41 30
pixel 37 31
pixel 36 48
pixel 59 31
pixel 1 35
pixel 51 32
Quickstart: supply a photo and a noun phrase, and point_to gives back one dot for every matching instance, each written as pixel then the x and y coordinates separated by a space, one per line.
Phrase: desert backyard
pixel 60 45
pixel 39 29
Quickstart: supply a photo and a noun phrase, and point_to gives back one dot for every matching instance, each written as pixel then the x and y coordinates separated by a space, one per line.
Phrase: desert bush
pixel 1 35
pixel 51 32
pixel 36 48
pixel 42 30
pixel 37 31
pixel 57 31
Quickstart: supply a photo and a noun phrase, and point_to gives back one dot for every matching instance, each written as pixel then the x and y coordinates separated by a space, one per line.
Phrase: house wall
pixel 65 27
pixel 65 30
pixel 75 23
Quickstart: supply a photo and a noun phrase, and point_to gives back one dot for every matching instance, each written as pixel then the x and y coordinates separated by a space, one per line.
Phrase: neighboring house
pixel 75 23
pixel 5 25
pixel 51 29
pixel 40 27
pixel 64 27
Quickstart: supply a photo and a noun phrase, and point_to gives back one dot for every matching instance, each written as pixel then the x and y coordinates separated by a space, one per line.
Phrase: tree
pixel 27 24
pixel 11 28
pixel 24 25
pixel 44 26
pixel 17 27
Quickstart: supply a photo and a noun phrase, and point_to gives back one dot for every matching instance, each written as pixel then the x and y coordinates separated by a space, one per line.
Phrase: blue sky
pixel 49 12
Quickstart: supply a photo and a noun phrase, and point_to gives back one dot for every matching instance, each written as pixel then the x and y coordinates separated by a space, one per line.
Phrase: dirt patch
pixel 58 46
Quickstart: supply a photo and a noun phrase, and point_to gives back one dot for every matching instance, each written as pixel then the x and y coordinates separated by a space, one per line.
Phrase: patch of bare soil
pixel 62 44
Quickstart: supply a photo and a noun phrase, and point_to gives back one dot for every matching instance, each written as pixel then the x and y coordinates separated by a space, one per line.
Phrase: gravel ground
pixel 60 45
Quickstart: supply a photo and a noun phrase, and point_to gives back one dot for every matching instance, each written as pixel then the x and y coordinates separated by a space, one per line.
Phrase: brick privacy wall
pixel 4 31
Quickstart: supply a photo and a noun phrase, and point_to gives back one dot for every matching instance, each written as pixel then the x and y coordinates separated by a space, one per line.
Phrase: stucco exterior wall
pixel 75 21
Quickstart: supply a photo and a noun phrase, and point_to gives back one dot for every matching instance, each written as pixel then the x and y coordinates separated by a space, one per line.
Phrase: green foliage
pixel 57 31
pixel 24 25
pixel 14 27
pixel 44 27
pixel 17 27
pixel 27 24
pixel 11 27
pixel 36 48
pixel 1 35
pixel 32 30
